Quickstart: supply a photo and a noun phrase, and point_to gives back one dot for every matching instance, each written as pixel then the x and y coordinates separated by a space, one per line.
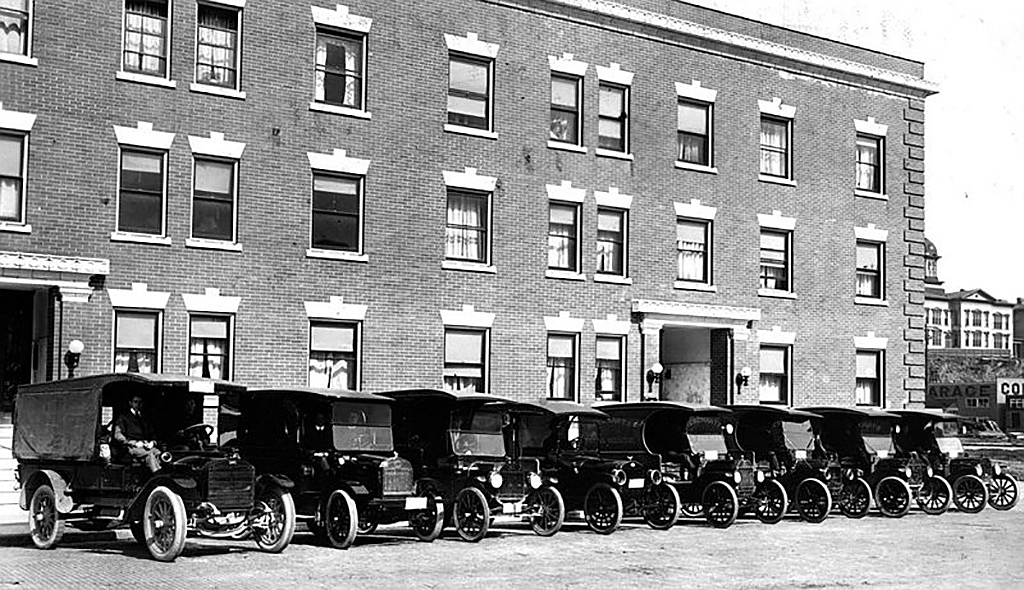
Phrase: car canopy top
pixel 320 392
pixel 768 412
pixel 659 425
pixel 443 395
pixel 555 407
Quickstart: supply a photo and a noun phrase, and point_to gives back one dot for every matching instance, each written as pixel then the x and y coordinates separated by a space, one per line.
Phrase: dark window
pixel 613 118
pixel 694 122
pixel 209 347
pixel 869 270
pixel 775 261
pixel 565 109
pixel 609 368
pixel 339 69
pixel 12 178
pixel 14 26
pixel 141 207
pixel 562 366
pixel 563 237
pixel 692 243
pixel 333 362
pixel 465 359
pixel 213 210
pixel 869 378
pixel 469 92
pixel 466 231
pixel 774 374
pixel 611 241
pixel 217 47
pixel 336 213
pixel 145 37
pixel 869 158
pixel 775 142
pixel 135 342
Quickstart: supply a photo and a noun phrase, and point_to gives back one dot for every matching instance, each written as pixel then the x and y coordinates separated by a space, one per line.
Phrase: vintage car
pixel 336 445
pixel 456 441
pixel 776 435
pixel 975 481
pixel 853 445
pixel 73 473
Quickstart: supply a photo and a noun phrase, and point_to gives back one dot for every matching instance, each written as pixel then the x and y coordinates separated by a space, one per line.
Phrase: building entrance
pixel 15 344
pixel 696 363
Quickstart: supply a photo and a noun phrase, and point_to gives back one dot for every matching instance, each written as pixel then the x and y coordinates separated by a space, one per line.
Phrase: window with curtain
pixel 775 147
pixel 217 46
pixel 869 163
pixel 565 109
pixel 14 26
pixel 562 366
pixel 135 342
pixel 694 124
pixel 613 118
pixel 333 355
pixel 563 240
pixel 976 339
pixel 339 69
pixel 692 245
pixel 337 205
pixel 611 240
pixel 869 378
pixel 12 178
pixel 209 346
pixel 609 368
pixel 145 37
pixel 213 206
pixel 141 203
pixel 466 235
pixel 775 261
pixel 469 92
pixel 773 387
pixel 465 359
pixel 869 270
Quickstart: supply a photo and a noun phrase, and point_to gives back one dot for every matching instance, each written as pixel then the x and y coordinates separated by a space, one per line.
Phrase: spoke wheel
pixel 367 523
pixel 813 500
pixel 427 524
pixel 44 524
pixel 602 508
pixel 935 495
pixel 340 519
pixel 472 514
pixel 1002 492
pixel 691 510
pixel 721 507
pixel 855 498
pixel 163 524
pixel 549 511
pixel 892 495
pixel 662 508
pixel 969 494
pixel 771 502
pixel 273 519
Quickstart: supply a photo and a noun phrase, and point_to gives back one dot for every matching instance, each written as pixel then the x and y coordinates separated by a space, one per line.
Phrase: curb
pixel 16 535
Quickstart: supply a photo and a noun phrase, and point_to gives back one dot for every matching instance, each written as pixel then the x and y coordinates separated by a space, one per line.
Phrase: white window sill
pixel 15 228
pixel 870 301
pixel 568 275
pixel 216 90
pixel 336 255
pixel 339 110
pixel 469 266
pixel 696 167
pixel 120 236
pixel 613 279
pixel 692 286
pixel 145 79
pixel 470 131
pixel 17 58
pixel 613 154
pixel 776 294
pixel 569 147
pixel 776 180
pixel 870 195
pixel 213 244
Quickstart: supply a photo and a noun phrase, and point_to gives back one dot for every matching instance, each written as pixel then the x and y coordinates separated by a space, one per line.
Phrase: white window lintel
pixel 341 18
pixel 695 210
pixel 138 297
pixel 564 323
pixel 694 91
pixel 567 65
pixel 471 45
pixel 338 162
pixel 211 302
pixel 613 198
pixel 870 342
pixel 467 317
pixel 144 136
pixel 470 180
pixel 565 192
pixel 15 121
pixel 776 221
pixel 871 233
pixel 614 75
pixel 611 326
pixel 870 127
pixel 776 108
pixel 335 309
pixel 216 146
pixel 776 336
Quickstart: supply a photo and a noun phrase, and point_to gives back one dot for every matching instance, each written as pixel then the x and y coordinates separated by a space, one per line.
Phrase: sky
pixel 974 126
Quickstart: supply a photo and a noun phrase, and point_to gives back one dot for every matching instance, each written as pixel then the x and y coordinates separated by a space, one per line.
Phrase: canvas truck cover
pixel 57 421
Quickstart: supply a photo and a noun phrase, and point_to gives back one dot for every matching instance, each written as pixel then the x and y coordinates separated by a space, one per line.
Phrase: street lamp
pixel 72 356
pixel 654 375
pixel 743 377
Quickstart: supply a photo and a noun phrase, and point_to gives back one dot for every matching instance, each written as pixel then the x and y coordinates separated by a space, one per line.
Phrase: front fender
pixel 56 481
pixel 183 486
pixel 275 479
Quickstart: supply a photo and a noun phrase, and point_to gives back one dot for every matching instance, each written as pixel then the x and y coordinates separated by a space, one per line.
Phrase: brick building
pixel 543 197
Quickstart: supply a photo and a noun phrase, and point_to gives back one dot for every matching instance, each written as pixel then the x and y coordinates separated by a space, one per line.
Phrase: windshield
pixel 799 435
pixel 477 432
pixel 705 434
pixel 950 445
pixel 361 427
pixel 877 435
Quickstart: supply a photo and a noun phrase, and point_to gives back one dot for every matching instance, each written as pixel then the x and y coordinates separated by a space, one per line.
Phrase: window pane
pixel 563 215
pixel 334 184
pixel 467 76
pixel 10 155
pixel 610 221
pixel 564 92
pixel 136 330
pixel 209 327
pixel 463 347
pixel 693 232
pixel 140 162
pixel 214 177
pixel 867 365
pixel 609 348
pixel 773 133
pixel 693 118
pixel 773 241
pixel 561 346
pixel 213 219
pixel 867 256
pixel 612 101
pixel 332 337
pixel 773 360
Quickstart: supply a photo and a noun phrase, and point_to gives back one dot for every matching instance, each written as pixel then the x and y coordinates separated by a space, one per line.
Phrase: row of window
pixel 973 317
pixel 940 338
pixel 776 370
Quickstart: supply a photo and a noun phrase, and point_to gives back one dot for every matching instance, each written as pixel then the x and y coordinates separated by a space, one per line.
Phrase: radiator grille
pixel 396 477
pixel 747 479
pixel 229 485
pixel 513 485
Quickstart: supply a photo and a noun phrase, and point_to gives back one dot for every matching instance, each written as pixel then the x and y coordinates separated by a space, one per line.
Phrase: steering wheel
pixel 197 432
pixel 465 444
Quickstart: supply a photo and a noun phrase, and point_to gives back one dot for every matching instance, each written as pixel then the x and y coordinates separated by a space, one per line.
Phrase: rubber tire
pixel 281 504
pixel 340 506
pixel 548 500
pixel 777 497
pixel 892 496
pixel 475 503
pixel 172 541
pixel 426 526
pixel 999 494
pixel 603 518
pixel 721 506
pixel 864 499
pixel 809 500
pixel 44 523
pixel 935 488
pixel 667 508
pixel 969 484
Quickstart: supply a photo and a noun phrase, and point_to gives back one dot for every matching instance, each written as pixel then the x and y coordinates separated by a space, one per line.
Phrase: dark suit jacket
pixel 132 427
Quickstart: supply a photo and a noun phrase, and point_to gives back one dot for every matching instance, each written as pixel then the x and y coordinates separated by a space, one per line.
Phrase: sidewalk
pixel 14 534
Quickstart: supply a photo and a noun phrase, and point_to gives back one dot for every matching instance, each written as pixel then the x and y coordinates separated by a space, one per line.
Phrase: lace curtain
pixel 774 143
pixel 464 235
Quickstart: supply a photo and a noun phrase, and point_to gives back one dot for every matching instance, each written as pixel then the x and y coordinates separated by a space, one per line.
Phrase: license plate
pixel 511 508
pixel 801 454
pixel 636 484
pixel 416 503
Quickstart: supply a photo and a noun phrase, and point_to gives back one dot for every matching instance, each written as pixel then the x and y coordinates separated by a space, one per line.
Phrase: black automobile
pixel 456 441
pixel 72 472
pixel 975 481
pixel 776 435
pixel 336 445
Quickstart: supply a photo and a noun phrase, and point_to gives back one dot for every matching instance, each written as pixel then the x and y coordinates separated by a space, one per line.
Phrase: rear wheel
pixel 427 524
pixel 892 495
pixel 855 498
pixel 721 507
pixel 935 495
pixel 662 508
pixel 771 502
pixel 163 524
pixel 472 514
pixel 44 523
pixel 813 500
pixel 273 519
pixel 340 519
pixel 602 508
pixel 1002 492
pixel 549 511
pixel 969 494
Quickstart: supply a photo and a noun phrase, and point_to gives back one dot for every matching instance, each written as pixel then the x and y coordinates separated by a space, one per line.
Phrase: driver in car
pixel 134 432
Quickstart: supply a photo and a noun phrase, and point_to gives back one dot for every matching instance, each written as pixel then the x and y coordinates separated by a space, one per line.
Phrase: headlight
pixel 655 476
pixel 535 481
pixel 737 476
pixel 851 474
pixel 930 471
pixel 906 471
pixel 997 469
pixel 619 477
pixel 978 471
pixel 760 476
pixel 495 479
